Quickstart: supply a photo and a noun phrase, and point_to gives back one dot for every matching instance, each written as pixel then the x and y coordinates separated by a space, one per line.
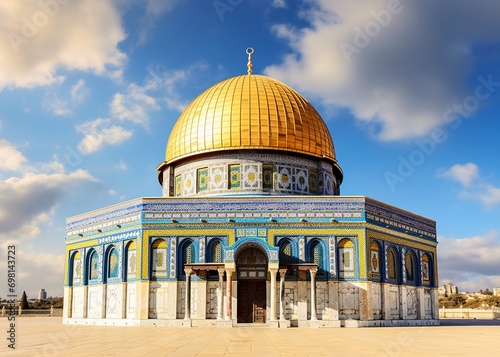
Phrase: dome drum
pixel 255 173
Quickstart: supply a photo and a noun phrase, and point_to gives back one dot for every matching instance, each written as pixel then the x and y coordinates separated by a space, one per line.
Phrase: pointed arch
pixel 286 251
pixel 427 269
pixel 347 258
pixel 187 255
pixel 316 255
pixel 215 251
pixel 92 266
pixel 411 267
pixel 130 265
pixel 393 266
pixel 375 261
pixel 112 263
pixel 75 269
pixel 158 259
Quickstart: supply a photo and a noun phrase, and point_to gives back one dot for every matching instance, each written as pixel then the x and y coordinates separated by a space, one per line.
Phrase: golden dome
pixel 249 112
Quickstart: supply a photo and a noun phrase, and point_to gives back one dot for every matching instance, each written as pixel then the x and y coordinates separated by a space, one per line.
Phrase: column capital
pixel 283 272
pixel 273 270
pixel 188 271
pixel 313 272
pixel 221 271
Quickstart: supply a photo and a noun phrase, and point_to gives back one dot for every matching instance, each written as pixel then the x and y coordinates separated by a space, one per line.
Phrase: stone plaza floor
pixel 45 336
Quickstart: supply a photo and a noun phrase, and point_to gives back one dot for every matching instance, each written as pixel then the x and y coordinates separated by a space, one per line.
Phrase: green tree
pixel 24 301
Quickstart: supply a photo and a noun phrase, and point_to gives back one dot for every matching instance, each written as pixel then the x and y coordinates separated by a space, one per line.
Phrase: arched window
pixel 75 272
pixel 317 256
pixel 188 253
pixel 216 251
pixel 112 263
pixel 375 266
pixel 426 269
pixel 93 266
pixel 347 259
pixel 131 263
pixel 392 265
pixel 410 267
pixel 159 259
pixel 285 252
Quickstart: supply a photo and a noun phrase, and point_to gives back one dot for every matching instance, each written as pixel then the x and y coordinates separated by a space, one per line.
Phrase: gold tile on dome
pixel 250 111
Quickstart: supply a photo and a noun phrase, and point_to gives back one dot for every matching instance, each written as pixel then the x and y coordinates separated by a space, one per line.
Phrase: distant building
pixel 496 291
pixel 42 294
pixel 448 289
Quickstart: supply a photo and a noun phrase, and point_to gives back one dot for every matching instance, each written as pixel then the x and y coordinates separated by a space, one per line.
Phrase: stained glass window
pixel 113 263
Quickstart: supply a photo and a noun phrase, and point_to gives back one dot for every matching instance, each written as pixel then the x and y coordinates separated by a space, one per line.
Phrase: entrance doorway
pixel 252 301
pixel 252 275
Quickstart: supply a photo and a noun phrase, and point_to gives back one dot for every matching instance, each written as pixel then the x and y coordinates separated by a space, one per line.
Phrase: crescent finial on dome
pixel 249 52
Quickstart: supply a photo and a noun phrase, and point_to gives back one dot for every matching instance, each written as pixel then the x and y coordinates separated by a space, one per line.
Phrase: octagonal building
pixel 251 229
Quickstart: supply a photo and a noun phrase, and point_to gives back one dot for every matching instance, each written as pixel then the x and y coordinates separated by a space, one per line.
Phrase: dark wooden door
pixel 252 301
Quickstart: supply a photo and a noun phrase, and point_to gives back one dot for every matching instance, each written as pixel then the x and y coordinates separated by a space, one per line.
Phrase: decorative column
pixel 229 294
pixel 187 296
pixel 282 294
pixel 273 272
pixel 313 294
pixel 220 293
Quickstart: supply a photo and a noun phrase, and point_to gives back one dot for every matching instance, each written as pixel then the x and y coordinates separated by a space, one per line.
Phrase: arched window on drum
pixel 159 259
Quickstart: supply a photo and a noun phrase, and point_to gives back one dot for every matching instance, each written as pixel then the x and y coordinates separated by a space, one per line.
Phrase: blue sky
pixel 89 91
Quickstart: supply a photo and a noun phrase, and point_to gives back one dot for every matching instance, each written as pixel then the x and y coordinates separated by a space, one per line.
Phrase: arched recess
pixel 187 255
pixel 215 251
pixel 112 264
pixel 411 268
pixel 375 261
pixel 92 267
pixel 130 265
pixel 316 254
pixel 286 251
pixel 393 266
pixel 158 259
pixel 75 269
pixel 347 259
pixel 427 269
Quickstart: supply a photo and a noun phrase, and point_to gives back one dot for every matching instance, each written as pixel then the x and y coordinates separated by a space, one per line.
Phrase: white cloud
pixel 279 3
pixel 121 166
pixel 28 200
pixel 10 158
pixel 63 107
pixel 405 72
pixel 153 10
pixel 470 263
pixel 134 105
pixel 465 174
pixel 473 186
pixel 79 92
pixel 41 38
pixel 100 132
